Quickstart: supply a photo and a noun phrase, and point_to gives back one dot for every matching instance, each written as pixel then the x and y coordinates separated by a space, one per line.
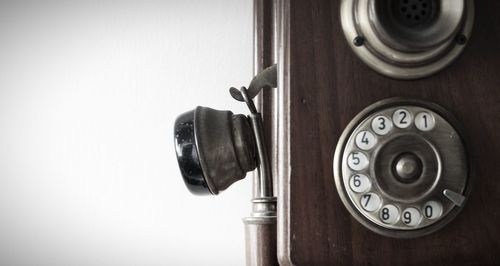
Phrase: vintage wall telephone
pixel 395 135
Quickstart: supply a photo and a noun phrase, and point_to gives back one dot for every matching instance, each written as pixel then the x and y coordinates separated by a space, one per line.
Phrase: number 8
pixel 385 214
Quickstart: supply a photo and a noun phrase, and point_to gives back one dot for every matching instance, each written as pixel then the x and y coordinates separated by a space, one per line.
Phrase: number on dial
pixel 411 216
pixel 402 118
pixel 424 121
pixel 357 161
pixel 432 210
pixel 389 214
pixel 381 125
pixel 365 140
pixel 360 183
pixel 370 202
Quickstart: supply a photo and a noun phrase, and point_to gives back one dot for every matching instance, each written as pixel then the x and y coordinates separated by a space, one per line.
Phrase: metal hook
pixel 267 78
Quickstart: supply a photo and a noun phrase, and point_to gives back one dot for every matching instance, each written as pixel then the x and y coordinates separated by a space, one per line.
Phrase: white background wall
pixel 89 91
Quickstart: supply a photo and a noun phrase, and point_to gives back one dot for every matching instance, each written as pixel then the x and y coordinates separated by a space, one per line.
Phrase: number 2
pixel 403 114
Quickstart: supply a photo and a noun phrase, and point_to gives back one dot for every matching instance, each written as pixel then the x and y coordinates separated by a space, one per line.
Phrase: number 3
pixel 382 123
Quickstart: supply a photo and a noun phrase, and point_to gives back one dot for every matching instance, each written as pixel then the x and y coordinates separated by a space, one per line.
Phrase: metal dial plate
pixel 395 161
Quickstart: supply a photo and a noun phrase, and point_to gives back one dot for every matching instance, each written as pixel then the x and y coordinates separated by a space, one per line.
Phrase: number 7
pixel 368 197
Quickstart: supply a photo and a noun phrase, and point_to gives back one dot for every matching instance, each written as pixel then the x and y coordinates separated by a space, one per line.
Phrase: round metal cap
pixel 408 167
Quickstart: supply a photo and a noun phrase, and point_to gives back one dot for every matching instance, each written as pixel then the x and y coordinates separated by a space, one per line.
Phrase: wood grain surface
pixel 328 85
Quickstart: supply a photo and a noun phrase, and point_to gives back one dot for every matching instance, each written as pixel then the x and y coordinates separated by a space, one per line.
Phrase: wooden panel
pixel 326 85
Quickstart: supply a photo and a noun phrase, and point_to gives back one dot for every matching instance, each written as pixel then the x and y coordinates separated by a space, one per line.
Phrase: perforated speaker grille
pixel 414 13
pixel 407 39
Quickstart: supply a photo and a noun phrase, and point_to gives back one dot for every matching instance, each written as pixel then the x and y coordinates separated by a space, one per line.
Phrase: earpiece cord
pixel 251 106
pixel 264 171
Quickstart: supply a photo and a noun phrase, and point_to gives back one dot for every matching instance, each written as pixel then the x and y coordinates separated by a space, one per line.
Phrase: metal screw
pixel 358 41
pixel 461 39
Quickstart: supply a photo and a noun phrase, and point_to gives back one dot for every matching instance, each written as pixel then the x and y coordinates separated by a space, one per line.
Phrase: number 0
pixel 428 211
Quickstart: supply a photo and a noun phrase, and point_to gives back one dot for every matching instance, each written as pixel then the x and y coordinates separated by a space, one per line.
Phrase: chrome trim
pixel 396 58
pixel 283 136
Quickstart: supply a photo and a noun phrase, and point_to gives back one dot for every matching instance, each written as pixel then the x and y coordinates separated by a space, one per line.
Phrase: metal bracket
pixel 264 177
pixel 267 78
pixel 260 227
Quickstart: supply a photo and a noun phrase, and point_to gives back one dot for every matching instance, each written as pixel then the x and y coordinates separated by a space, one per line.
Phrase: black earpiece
pixel 217 148
pixel 214 149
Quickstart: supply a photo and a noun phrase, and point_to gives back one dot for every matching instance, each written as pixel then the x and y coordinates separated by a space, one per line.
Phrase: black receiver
pixel 217 148
pixel 214 149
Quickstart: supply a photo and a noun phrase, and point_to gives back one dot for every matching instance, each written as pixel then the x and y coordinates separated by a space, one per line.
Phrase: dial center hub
pixel 407 167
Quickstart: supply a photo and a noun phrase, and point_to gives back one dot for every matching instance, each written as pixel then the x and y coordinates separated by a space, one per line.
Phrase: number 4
pixel 364 139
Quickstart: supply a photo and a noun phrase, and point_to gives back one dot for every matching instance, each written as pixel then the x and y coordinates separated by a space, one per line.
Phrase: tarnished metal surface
pixel 222 149
pixel 407 51
pixel 265 79
pixel 443 167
